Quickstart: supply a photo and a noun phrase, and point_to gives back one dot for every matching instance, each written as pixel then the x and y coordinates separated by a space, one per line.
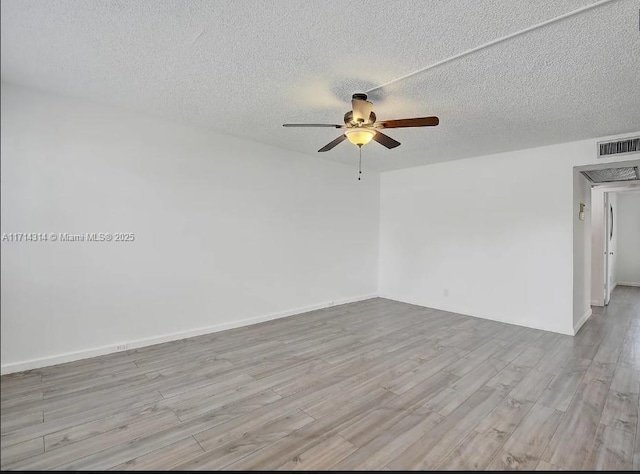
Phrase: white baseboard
pixel 150 341
pixel 597 303
pixel 583 319
pixel 533 324
pixel 628 283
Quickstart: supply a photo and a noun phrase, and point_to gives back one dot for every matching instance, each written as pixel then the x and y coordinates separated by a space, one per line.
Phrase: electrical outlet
pixel 122 347
pixel 446 292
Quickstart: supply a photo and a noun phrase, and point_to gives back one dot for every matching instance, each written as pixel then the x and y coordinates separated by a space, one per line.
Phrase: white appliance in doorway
pixel 609 247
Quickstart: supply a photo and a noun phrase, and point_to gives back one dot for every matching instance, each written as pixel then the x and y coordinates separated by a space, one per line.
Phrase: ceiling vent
pixel 610 175
pixel 619 147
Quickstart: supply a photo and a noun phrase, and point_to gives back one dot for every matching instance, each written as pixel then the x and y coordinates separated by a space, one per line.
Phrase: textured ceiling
pixel 245 67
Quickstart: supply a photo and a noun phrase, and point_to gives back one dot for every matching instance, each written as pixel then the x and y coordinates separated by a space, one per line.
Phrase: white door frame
pixel 607 228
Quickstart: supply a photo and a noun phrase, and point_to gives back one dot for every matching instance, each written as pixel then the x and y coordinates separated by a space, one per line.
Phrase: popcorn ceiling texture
pixel 246 67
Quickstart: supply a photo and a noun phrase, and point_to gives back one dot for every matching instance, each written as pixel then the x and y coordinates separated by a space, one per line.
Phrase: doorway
pixel 601 204
pixel 610 204
pixel 615 229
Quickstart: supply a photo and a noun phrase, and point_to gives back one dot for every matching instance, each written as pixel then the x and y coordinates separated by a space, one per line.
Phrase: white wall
pixel 490 236
pixel 581 251
pixel 230 232
pixel 227 231
pixel 628 245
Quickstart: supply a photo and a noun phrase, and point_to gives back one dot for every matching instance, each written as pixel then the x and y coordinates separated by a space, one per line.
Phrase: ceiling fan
pixel 360 125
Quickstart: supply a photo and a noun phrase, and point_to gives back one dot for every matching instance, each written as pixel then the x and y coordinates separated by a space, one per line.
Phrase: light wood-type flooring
pixel 370 385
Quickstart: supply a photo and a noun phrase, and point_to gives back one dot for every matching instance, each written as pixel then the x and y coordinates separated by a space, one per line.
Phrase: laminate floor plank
pixel 555 359
pixel 231 448
pixel 216 437
pixel 612 450
pixel 374 424
pixel 193 407
pixel 129 395
pixel 608 353
pixel 529 357
pixel 119 421
pixel 545 466
pixel 620 411
pixel 527 443
pixel 510 351
pixel 502 421
pixel 361 392
pixel 601 372
pixel 301 440
pixel 21 451
pixel 19 386
pixel 322 456
pixel 572 440
pixel 509 377
pixel 80 417
pixel 16 420
pixel 163 459
pixel 474 453
pixel 473 359
pixel 560 391
pixel 33 401
pixel 466 386
pixel 424 392
pixel 18 381
pixel 425 371
pixel 376 384
pixel 386 446
pixel 626 380
pixel 431 449
pixel 89 381
pixel 532 385
pixel 59 457
pixel 60 374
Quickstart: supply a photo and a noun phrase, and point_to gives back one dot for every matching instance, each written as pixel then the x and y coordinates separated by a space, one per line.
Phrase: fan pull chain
pixel 360 163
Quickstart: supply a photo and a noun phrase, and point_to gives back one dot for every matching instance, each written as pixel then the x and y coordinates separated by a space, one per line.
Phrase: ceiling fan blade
pixel 386 140
pixel 361 110
pixel 337 141
pixel 410 122
pixel 331 125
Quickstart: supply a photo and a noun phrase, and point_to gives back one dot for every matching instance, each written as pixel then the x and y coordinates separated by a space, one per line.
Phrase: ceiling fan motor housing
pixel 348 118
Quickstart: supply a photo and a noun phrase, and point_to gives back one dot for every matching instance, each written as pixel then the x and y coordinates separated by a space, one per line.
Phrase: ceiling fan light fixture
pixel 360 136
pixel 361 125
